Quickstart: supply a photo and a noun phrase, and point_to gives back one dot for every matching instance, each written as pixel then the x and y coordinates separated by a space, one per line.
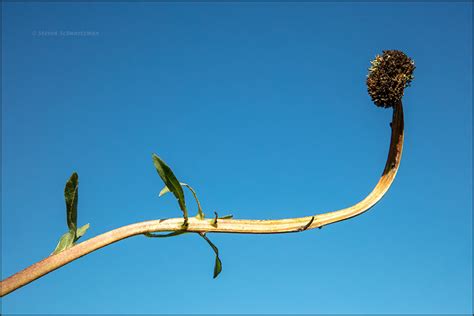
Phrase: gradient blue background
pixel 262 107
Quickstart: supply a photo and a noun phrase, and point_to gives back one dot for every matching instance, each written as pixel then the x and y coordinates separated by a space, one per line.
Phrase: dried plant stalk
pixel 56 261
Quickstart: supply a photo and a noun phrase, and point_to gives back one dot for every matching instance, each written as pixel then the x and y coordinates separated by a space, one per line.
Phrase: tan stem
pixel 54 262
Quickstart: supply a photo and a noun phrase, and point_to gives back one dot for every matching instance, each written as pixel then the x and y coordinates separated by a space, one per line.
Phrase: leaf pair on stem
pixel 174 186
pixel 71 195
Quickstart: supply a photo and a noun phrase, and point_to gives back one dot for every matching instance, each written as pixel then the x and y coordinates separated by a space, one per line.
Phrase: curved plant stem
pixel 54 262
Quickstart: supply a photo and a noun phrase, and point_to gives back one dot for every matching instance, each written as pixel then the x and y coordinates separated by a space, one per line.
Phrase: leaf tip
pixel 73 179
pixel 217 267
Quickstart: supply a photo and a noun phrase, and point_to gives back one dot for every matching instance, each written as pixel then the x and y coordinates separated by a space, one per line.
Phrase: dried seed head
pixel 388 76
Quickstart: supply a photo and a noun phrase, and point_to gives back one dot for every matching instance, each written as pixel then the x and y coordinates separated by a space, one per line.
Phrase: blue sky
pixel 262 107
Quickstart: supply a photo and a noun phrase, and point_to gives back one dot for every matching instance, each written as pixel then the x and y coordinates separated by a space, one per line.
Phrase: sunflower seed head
pixel 389 74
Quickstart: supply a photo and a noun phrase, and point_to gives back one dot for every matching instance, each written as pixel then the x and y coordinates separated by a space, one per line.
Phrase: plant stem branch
pixel 56 261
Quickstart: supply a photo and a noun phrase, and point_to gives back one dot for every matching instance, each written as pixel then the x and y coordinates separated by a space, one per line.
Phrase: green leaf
pixel 171 183
pixel 200 214
pixel 218 262
pixel 71 195
pixel 81 231
pixel 163 191
pixel 65 242
pixel 175 233
pixel 227 216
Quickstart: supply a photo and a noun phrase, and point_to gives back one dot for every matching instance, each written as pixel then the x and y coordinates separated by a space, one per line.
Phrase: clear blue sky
pixel 262 107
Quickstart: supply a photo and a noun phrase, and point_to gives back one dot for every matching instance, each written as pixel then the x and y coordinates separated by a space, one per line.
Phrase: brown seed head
pixel 388 76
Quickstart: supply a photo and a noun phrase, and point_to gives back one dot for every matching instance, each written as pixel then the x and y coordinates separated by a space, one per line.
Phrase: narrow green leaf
pixel 227 216
pixel 81 231
pixel 71 195
pixel 171 182
pixel 218 262
pixel 217 267
pixel 163 191
pixel 175 233
pixel 200 213
pixel 66 241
